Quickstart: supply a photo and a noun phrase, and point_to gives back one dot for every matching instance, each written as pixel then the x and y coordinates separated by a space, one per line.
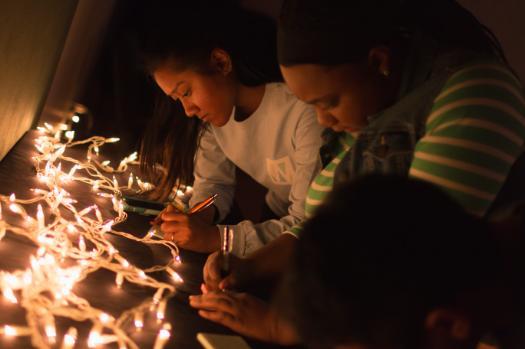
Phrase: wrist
pixel 214 238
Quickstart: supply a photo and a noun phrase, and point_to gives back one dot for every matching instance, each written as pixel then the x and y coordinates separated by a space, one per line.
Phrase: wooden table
pixel 17 175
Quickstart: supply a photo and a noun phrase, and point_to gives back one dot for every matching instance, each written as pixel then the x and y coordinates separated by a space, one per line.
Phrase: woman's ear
pixel 447 328
pixel 221 61
pixel 380 60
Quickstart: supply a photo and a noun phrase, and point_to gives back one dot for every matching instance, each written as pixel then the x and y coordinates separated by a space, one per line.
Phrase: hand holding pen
pixel 201 206
pixel 189 230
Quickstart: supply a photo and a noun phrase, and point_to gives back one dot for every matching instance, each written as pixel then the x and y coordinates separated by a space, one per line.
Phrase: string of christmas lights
pixel 73 243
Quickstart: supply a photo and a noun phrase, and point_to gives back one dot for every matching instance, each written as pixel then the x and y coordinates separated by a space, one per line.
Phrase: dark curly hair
pixel 334 32
pixel 377 257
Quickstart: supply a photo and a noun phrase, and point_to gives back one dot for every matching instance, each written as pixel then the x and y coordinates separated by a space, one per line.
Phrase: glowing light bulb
pixel 139 321
pixel 71 228
pixel 163 336
pixel 16 208
pixel 133 156
pixel 86 210
pixel 27 278
pixel 124 263
pixel 94 336
pixel 105 318
pixel 107 227
pixel 130 181
pixel 73 170
pixel 75 119
pixel 70 338
pixel 161 310
pixel 98 214
pixel 174 275
pixel 96 185
pixel 119 280
pixel 9 295
pixel 10 331
pixel 12 197
pixel 70 135
pixel 41 251
pixel 40 217
pixel 81 243
pixel 51 331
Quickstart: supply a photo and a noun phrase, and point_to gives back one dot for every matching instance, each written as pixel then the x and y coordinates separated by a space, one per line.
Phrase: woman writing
pixel 221 72
pixel 418 89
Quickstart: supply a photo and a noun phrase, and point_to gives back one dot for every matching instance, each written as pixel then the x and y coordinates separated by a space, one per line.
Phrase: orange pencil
pixel 203 204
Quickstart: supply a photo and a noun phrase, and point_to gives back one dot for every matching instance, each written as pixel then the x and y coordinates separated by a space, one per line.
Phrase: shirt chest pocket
pixel 281 171
pixel 389 152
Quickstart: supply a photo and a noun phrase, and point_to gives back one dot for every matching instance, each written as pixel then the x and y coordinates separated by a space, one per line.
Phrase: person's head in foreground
pixel 349 58
pixel 390 262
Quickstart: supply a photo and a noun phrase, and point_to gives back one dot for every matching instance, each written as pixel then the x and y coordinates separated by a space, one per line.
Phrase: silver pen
pixel 226 249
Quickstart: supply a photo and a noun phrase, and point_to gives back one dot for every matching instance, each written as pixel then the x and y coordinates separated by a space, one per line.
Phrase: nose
pixel 325 119
pixel 190 108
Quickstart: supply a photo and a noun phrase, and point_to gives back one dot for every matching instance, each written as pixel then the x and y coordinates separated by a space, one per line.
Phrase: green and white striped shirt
pixel 474 133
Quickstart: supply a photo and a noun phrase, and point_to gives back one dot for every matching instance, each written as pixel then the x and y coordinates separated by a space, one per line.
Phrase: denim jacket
pixel 386 145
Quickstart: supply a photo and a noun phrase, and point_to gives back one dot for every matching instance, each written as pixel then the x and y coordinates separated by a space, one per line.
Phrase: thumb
pixel 170 208
pixel 229 282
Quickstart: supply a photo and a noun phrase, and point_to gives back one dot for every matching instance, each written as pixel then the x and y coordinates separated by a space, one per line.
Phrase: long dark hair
pixel 357 26
pixel 188 33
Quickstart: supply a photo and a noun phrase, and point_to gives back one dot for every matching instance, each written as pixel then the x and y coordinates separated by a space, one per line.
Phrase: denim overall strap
pixel 386 145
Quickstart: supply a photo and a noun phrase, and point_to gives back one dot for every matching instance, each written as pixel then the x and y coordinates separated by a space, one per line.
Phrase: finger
pixel 204 289
pixel 157 219
pixel 224 319
pixel 168 236
pixel 174 216
pixel 169 208
pixel 171 227
pixel 229 282
pixel 214 301
pixel 211 272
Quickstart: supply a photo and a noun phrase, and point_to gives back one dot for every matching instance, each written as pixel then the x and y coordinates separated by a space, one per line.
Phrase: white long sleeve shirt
pixel 278 146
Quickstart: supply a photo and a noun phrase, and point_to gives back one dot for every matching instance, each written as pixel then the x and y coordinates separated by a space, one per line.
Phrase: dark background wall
pixel 120 92
pixel 506 18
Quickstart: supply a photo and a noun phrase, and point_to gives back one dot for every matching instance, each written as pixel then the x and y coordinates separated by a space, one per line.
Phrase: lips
pixel 204 117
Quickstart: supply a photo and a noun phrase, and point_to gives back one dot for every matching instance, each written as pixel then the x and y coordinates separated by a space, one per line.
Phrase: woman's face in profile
pixel 210 97
pixel 343 95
